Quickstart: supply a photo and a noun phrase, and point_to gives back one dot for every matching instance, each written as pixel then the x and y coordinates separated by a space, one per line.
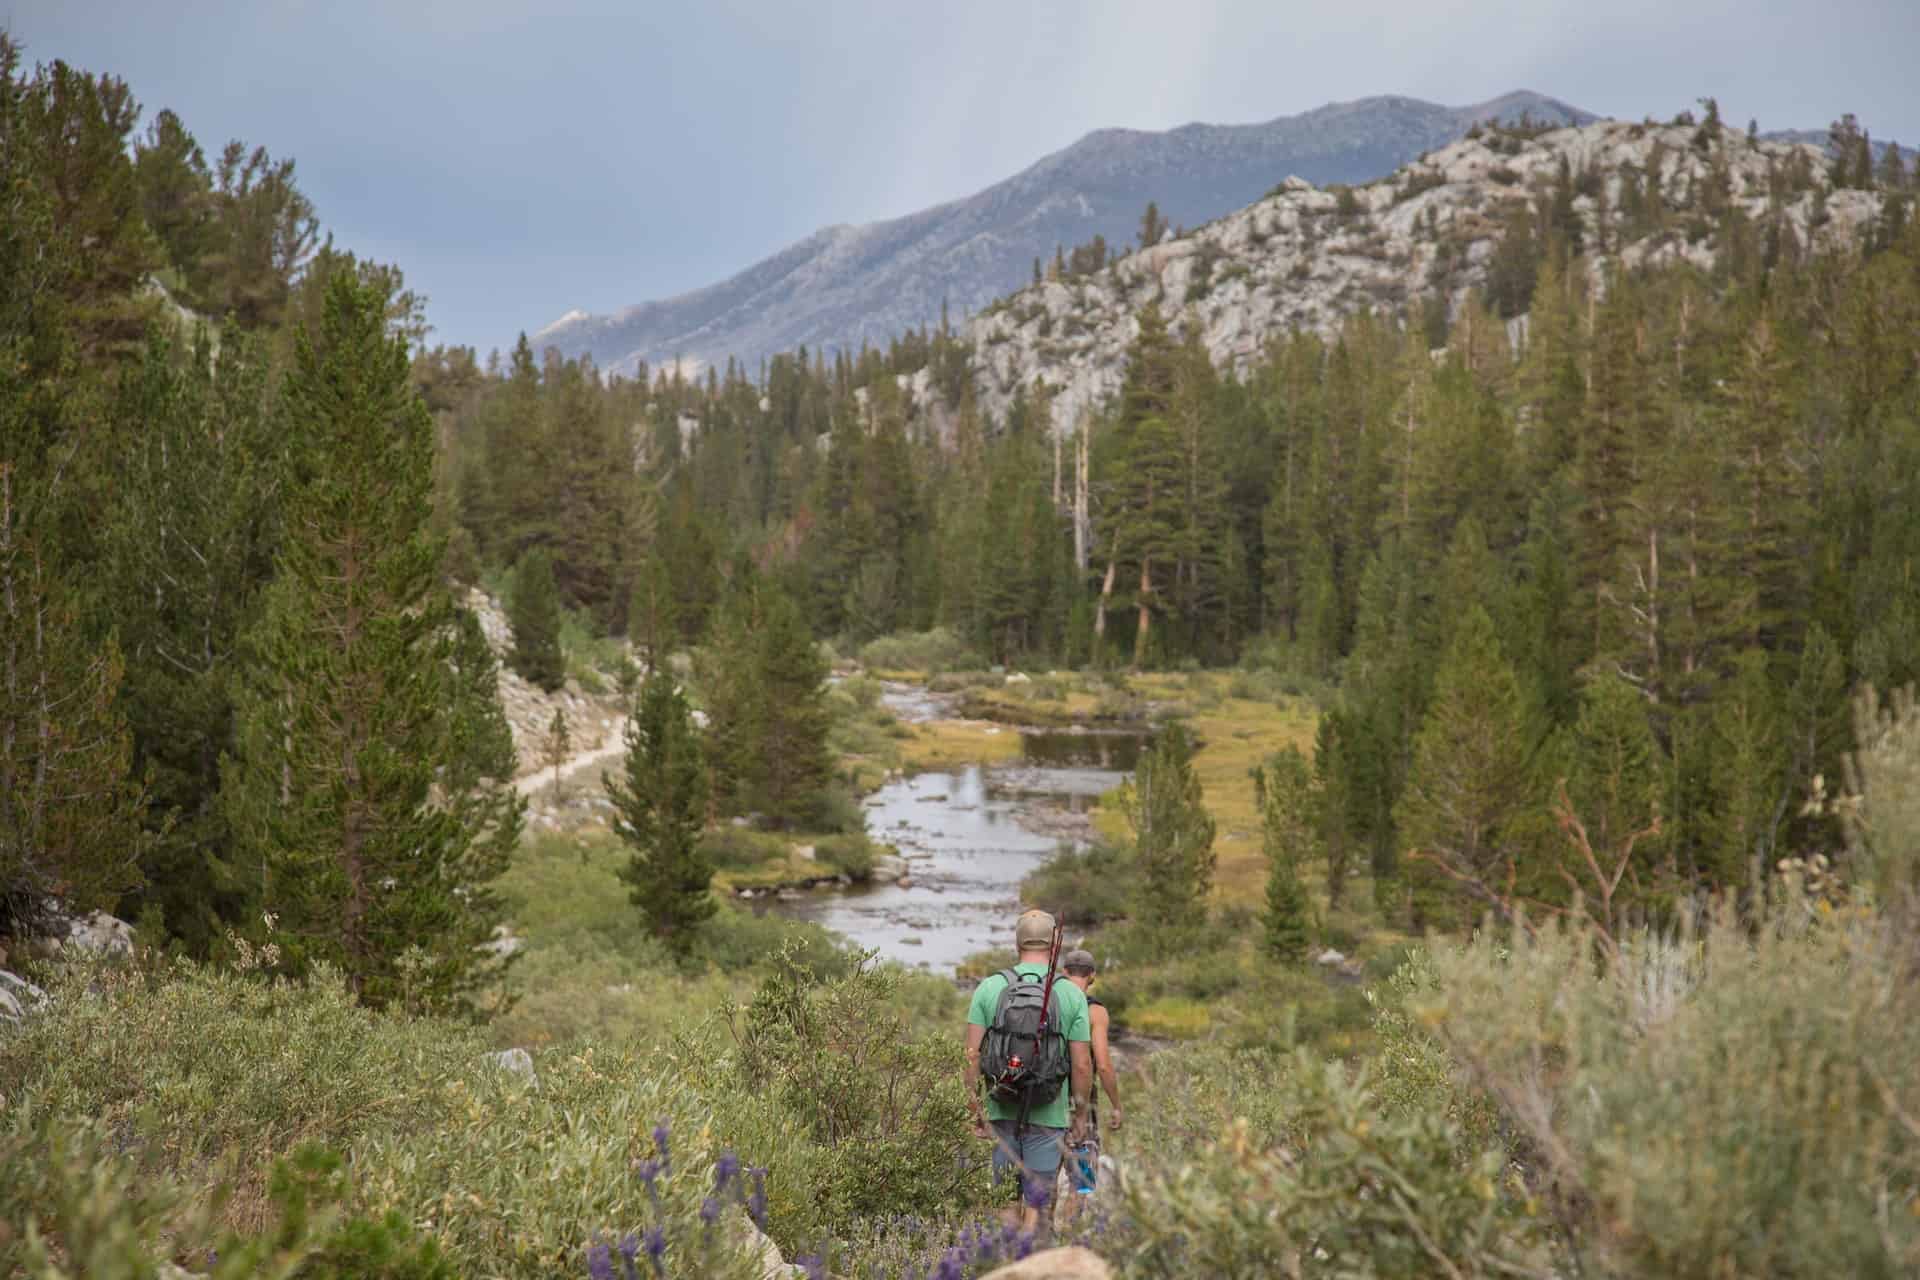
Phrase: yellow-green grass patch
pixel 1170 1017
pixel 949 744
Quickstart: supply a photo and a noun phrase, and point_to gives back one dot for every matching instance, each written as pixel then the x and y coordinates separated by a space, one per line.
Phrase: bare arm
pixel 1103 1060
pixel 975 1034
pixel 1081 1056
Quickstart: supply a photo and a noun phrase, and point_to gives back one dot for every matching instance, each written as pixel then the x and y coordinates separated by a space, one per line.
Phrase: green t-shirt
pixel 1066 1013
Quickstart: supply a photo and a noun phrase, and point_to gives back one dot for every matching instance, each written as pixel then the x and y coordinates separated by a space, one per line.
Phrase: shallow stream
pixel 970 836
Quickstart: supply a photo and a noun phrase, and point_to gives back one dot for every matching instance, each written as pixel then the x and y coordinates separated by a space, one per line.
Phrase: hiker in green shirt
pixel 1037 1145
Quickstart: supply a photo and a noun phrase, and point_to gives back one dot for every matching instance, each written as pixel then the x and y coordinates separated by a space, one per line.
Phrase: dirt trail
pixel 616 742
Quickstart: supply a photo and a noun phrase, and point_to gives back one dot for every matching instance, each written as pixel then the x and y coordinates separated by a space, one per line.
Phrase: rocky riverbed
pixel 969 837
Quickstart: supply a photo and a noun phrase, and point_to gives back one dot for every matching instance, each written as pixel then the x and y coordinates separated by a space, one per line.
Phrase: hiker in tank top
pixel 1085 1161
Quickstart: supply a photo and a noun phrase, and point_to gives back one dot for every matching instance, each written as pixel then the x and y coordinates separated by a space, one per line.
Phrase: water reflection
pixel 967 847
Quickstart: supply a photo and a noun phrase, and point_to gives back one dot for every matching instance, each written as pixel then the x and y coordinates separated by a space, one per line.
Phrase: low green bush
pixel 1734 1099
pixel 836 810
pixel 230 1082
pixel 1315 1180
pixel 195 1065
pixel 862 691
pixel 738 940
pixel 72 1207
pixel 731 848
pixel 940 649
pixel 851 855
pixel 961 681
pixel 1083 886
pixel 882 1106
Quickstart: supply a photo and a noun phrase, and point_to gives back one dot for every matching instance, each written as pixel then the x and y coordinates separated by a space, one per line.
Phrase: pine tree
pixel 1745 773
pixel 1173 833
pixel 70 806
pixel 1617 779
pixel 791 746
pixel 1287 806
pixel 188 544
pixel 1153 227
pixel 350 702
pixel 661 798
pixel 556 746
pixel 1470 779
pixel 534 614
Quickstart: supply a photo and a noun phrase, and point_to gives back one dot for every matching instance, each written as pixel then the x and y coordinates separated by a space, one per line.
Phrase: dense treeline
pixel 234 691
pixel 1597 583
pixel 1643 544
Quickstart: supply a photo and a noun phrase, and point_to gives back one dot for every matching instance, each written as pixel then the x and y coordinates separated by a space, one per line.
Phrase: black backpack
pixel 1021 1066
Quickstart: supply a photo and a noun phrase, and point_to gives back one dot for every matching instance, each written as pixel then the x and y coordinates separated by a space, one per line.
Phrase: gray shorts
pixel 1038 1149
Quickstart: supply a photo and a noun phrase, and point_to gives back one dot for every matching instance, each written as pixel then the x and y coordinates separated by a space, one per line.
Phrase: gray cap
pixel 1076 959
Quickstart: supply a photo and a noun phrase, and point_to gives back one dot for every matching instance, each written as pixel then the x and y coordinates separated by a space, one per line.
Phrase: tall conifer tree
pixel 1173 833
pixel 368 854
pixel 661 799
pixel 534 615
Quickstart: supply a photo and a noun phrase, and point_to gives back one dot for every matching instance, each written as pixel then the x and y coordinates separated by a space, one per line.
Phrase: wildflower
pixel 952 1266
pixel 660 1140
pixel 709 1210
pixel 814 1265
pixel 655 1244
pixel 648 1170
pixel 757 1202
pixel 600 1262
pixel 724 1170
pixel 629 1250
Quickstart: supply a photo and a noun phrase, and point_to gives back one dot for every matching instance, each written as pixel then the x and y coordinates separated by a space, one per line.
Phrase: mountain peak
pixel 848 284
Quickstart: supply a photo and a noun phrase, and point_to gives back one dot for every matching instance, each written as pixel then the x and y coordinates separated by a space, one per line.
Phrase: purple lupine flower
pixel 629 1250
pixel 813 1264
pixel 723 1171
pixel 647 1170
pixel 952 1267
pixel 1023 1246
pixel 655 1244
pixel 660 1141
pixel 709 1211
pixel 757 1202
pixel 600 1261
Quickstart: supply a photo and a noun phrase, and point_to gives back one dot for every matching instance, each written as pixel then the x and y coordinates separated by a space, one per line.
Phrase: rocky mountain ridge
pixel 845 285
pixel 1307 257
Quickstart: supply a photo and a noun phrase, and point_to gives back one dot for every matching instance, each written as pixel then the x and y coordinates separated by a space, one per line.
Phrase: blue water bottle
pixel 1082 1168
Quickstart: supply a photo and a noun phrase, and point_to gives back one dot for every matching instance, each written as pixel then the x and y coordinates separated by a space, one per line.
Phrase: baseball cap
pixel 1033 929
pixel 1077 959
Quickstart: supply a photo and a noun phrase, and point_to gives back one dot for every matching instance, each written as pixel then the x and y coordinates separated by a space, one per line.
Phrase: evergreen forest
pixel 1595 589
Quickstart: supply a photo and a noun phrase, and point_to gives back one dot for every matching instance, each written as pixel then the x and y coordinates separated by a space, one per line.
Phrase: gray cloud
pixel 520 159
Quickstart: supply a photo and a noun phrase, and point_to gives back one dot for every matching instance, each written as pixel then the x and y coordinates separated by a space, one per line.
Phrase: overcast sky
pixel 519 159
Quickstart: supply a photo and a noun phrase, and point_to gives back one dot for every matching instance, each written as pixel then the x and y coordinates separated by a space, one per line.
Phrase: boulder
pixel 517 1061
pixel 503 944
pixel 1330 959
pixel 764 1253
pixel 1070 1263
pixel 100 932
pixel 18 997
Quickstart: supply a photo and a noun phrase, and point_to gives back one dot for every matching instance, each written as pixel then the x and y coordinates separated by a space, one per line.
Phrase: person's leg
pixel 1040 1152
pixel 1008 1169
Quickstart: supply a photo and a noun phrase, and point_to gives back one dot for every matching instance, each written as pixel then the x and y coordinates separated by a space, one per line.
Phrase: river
pixel 969 836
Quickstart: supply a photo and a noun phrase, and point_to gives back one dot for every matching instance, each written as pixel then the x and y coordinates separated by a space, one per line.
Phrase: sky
pixel 518 160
